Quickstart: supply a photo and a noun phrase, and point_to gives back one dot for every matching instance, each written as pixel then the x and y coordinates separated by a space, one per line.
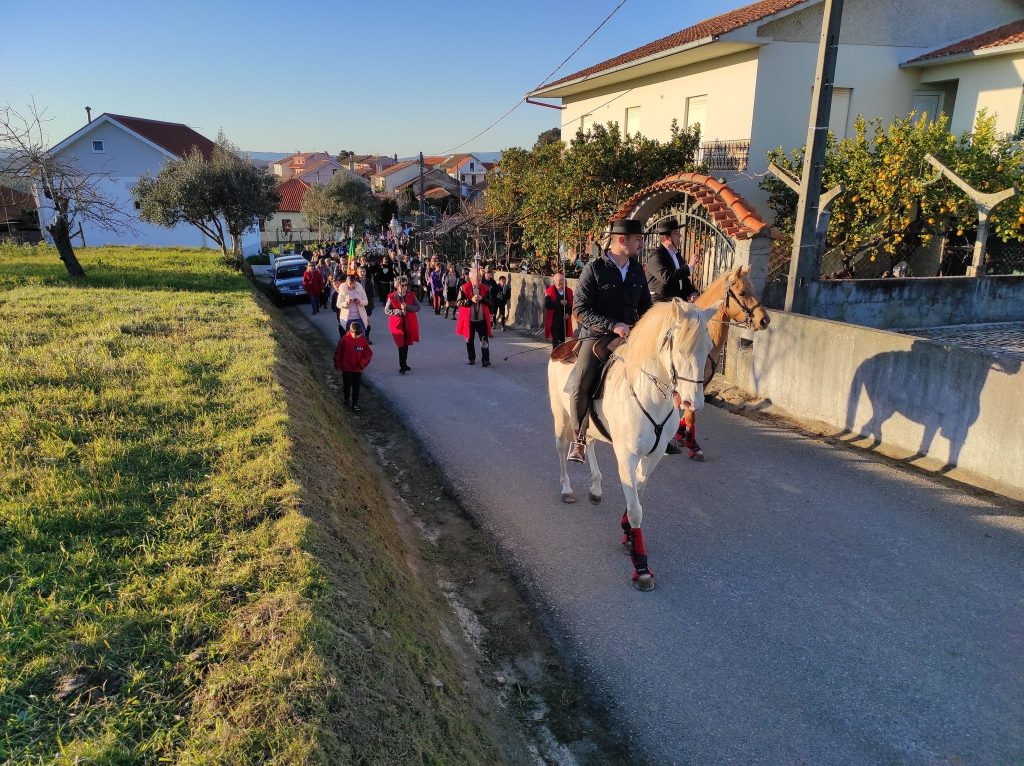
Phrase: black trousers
pixel 350 383
pixel 501 314
pixel 478 328
pixel 403 357
pixel 589 369
pixel 557 330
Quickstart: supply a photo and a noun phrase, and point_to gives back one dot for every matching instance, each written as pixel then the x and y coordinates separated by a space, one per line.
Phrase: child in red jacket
pixel 351 357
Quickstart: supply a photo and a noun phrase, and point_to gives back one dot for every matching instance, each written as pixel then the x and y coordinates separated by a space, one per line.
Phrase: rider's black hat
pixel 626 226
pixel 668 226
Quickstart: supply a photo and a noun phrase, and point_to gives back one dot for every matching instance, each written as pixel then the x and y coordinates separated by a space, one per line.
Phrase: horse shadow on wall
pixel 931 384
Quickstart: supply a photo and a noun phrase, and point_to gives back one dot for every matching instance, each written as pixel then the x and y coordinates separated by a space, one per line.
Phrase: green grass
pixel 183 575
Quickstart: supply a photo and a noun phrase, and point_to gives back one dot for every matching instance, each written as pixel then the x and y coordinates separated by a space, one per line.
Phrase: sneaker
pixel 401 371
pixel 472 361
pixel 485 363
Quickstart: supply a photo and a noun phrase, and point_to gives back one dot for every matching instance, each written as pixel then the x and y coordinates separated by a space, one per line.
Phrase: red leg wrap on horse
pixel 691 437
pixel 638 542
pixel 625 523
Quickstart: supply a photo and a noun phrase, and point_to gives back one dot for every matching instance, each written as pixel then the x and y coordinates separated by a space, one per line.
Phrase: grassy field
pixel 196 563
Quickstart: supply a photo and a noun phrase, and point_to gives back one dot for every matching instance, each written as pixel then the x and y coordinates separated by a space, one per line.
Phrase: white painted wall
pixel 785 77
pixel 397 178
pixel 728 82
pixel 126 159
pixel 994 83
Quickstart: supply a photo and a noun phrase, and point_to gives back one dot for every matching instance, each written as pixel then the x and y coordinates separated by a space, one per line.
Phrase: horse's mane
pixel 646 338
pixel 715 291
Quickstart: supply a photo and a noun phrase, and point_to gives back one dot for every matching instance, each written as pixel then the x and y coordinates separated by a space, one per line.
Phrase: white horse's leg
pixel 562 446
pixel 595 473
pixel 629 463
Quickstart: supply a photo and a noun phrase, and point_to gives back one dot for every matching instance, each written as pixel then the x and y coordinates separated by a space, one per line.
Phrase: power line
pixel 542 82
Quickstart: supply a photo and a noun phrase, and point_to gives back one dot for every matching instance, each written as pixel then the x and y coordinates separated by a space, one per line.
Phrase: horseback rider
pixel 611 295
pixel 668 276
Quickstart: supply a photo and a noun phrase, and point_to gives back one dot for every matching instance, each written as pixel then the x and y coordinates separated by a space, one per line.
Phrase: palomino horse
pixel 661 363
pixel 741 308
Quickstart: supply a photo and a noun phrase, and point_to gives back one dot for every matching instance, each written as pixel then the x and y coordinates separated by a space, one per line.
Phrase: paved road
pixel 814 605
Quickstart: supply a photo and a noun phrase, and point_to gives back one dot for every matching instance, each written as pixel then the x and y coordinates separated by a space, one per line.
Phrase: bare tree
pixel 74 194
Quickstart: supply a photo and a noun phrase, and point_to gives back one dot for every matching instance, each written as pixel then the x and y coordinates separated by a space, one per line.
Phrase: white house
pixel 388 179
pixel 128 148
pixel 746 76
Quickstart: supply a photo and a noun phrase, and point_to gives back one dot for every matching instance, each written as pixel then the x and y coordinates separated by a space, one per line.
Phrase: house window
pixel 632 120
pixel 473 181
pixel 697 112
pixel 138 205
pixel 97 147
pixel 471 166
pixel 286 225
pixel 334 171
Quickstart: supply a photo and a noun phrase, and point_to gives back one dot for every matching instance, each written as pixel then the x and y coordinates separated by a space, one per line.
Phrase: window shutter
pixel 1020 118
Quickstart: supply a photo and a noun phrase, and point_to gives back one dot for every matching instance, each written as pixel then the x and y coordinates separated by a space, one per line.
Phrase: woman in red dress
pixel 401 308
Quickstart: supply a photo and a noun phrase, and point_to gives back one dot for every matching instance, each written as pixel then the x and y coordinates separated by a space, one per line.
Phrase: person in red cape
pixel 313 284
pixel 475 318
pixel 401 307
pixel 558 311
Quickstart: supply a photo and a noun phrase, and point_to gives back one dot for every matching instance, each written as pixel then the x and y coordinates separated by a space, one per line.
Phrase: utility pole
pixel 423 224
pixel 805 266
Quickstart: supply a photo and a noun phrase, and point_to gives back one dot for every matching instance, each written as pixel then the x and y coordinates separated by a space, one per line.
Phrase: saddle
pixel 568 352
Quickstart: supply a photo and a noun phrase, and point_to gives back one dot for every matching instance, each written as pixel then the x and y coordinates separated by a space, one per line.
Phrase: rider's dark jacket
pixel 664 279
pixel 603 299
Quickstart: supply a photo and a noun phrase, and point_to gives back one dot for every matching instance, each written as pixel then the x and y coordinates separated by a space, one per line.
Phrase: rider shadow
pixel 935 385
pixel 526 310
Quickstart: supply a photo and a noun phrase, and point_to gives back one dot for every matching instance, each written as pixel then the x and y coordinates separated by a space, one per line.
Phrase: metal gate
pixel 701 243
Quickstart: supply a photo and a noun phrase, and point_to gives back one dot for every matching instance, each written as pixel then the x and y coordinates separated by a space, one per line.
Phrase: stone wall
pixel 526 311
pixel 913 302
pixel 960 409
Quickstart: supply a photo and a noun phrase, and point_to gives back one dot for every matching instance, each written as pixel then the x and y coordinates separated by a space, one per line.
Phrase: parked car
pixel 286 280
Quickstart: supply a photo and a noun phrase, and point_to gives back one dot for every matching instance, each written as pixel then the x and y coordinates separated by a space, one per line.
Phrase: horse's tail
pixel 858 384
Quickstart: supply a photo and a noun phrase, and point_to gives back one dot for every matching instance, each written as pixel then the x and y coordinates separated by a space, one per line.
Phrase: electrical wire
pixel 521 101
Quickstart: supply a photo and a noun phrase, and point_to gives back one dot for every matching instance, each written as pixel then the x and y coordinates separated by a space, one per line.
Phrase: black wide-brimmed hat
pixel 668 226
pixel 626 226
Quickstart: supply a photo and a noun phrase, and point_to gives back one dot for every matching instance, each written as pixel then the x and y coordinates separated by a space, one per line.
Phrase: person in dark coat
pixel 611 296
pixel 385 277
pixel 668 275
pixel 502 297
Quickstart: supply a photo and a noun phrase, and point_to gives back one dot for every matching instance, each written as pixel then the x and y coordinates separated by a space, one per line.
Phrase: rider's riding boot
pixel 577 450
pixel 673 448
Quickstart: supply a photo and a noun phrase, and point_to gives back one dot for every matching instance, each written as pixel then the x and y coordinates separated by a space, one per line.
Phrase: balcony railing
pixel 719 156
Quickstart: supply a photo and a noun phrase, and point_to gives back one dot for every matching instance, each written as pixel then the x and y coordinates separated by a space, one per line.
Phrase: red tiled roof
pixel 733 214
pixel 717 25
pixel 488 165
pixel 437 193
pixel 434 160
pixel 175 137
pixel 1008 34
pixel 292 192
pixel 12 202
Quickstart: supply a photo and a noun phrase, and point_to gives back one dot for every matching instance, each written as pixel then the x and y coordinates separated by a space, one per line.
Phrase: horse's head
pixel 687 345
pixel 741 300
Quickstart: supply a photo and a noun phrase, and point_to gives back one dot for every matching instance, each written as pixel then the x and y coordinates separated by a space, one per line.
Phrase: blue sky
pixel 382 77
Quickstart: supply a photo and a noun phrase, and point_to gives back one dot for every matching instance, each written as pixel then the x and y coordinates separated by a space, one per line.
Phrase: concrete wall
pixel 992 83
pixel 914 302
pixel 958 408
pixel 526 310
pixel 728 83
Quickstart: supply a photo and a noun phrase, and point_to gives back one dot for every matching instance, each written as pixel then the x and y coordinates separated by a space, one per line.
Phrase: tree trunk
pixel 236 248
pixel 61 234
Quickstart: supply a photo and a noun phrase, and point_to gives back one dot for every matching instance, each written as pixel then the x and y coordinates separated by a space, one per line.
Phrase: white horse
pixel 659 369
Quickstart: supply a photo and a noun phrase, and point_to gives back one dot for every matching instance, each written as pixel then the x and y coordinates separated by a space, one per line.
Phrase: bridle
pixel 747 310
pixel 662 387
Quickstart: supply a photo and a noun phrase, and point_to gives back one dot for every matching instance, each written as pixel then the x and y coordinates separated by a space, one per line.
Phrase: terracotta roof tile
pixel 733 214
pixel 1008 34
pixel 292 192
pixel 395 168
pixel 175 137
pixel 717 25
